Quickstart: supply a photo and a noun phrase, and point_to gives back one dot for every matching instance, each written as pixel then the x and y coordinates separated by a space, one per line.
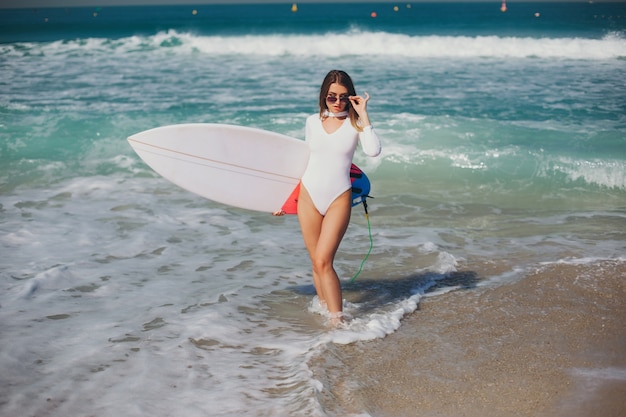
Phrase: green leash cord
pixel 369 230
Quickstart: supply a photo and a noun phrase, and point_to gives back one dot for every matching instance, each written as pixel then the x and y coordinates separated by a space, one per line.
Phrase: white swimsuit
pixel 327 175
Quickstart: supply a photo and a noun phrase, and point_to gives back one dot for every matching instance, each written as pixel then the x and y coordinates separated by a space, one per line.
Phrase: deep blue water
pixel 451 19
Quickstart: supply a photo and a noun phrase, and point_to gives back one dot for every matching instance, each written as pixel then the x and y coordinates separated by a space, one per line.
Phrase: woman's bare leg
pixel 322 236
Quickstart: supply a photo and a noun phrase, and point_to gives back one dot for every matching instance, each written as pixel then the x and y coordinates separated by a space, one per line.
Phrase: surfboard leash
pixel 369 230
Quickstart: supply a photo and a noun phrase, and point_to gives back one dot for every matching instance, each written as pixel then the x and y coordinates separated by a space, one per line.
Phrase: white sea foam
pixel 602 172
pixel 339 44
pixel 387 44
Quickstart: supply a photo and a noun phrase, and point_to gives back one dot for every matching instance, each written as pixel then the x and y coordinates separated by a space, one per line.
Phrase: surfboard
pixel 235 165
pixel 239 166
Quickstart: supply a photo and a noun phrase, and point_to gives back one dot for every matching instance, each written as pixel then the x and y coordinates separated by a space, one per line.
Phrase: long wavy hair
pixel 341 78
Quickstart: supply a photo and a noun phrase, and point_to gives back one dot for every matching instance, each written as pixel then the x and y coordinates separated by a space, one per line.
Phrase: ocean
pixel 504 150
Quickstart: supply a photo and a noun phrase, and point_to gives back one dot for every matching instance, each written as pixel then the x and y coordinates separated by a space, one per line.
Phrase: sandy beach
pixel 551 344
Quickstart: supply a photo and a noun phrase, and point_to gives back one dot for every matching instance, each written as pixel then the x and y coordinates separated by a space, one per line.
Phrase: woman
pixel 325 202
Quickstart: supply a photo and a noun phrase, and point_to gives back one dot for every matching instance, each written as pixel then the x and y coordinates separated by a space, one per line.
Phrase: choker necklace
pixel 328 113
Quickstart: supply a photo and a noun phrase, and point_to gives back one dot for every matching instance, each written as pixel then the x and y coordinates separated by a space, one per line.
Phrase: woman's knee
pixel 321 265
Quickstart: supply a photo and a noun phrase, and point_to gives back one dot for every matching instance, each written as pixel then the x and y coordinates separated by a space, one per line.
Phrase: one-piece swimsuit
pixel 327 175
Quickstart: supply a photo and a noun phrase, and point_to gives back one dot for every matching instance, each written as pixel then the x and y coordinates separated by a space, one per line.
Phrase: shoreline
pixel 551 344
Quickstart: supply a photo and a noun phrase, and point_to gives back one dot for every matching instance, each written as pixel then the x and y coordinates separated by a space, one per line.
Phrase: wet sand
pixel 552 344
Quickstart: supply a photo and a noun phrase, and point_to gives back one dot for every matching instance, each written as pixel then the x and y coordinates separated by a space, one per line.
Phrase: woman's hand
pixel 359 104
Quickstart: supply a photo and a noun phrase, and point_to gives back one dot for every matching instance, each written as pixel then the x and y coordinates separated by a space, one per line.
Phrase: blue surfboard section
pixel 360 185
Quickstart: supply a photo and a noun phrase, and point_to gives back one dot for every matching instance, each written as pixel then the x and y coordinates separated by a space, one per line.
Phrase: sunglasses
pixel 333 99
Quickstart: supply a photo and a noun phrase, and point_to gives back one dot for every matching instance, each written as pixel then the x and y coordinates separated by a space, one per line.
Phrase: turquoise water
pixel 504 142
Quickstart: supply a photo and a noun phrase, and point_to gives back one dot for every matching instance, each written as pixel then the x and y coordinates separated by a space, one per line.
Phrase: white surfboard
pixel 240 166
